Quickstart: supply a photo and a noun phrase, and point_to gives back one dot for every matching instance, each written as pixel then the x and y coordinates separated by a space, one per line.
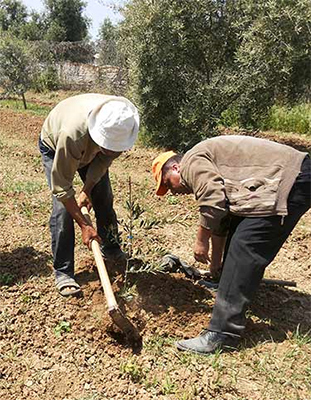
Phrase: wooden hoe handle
pixel 102 270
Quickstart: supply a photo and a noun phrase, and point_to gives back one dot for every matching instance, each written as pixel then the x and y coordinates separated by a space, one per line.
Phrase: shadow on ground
pixel 172 305
pixel 21 264
pixel 160 292
pixel 280 311
pixel 177 304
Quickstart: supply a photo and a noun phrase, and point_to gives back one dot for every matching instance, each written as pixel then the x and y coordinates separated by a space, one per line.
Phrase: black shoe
pixel 115 260
pixel 208 342
pixel 113 254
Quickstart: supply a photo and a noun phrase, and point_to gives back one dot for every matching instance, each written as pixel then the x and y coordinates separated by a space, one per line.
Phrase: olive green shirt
pixel 239 175
pixel 65 131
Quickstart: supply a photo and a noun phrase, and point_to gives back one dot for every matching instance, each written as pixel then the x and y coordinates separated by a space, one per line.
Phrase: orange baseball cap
pixel 157 171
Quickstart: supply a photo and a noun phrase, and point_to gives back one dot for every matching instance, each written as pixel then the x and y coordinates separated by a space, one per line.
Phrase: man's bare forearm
pixel 201 247
pixel 88 232
pixel 218 245
pixel 74 210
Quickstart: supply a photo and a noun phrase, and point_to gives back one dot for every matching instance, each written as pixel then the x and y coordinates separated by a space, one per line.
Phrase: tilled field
pixel 54 348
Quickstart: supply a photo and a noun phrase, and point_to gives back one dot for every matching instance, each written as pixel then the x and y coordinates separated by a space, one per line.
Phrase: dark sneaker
pixel 115 260
pixel 208 342
pixel 114 254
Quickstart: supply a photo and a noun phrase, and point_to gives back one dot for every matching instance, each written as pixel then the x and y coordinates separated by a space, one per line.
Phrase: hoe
pixel 114 311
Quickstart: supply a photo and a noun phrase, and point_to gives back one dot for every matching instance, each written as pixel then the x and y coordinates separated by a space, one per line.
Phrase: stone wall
pixel 88 76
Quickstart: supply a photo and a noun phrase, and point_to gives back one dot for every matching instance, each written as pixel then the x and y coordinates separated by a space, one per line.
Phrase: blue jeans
pixel 62 224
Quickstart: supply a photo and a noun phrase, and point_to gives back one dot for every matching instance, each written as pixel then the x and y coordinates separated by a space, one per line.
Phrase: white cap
pixel 114 124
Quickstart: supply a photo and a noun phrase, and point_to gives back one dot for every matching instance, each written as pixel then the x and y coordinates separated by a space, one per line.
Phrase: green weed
pixel 168 386
pixel 26 298
pixel 152 383
pixel 155 344
pixel 128 292
pixel 62 327
pixel 172 200
pixel 134 371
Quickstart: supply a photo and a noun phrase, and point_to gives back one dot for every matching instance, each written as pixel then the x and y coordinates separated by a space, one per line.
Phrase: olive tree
pixel 179 55
pixel 65 20
pixel 16 66
pixel 191 62
pixel 13 14
pixel 273 60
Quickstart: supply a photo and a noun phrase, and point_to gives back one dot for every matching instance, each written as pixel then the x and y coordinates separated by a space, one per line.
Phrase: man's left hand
pixel 84 200
pixel 216 270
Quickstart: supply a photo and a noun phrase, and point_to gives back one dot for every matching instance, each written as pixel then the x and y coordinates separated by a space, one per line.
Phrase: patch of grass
pixel 168 386
pixel 37 161
pixel 290 119
pixel 151 383
pixel 12 353
pixel 7 279
pixel 172 200
pixel 301 339
pixel 29 298
pixel 17 105
pixel 155 344
pixel 26 298
pixel 27 187
pixel 188 395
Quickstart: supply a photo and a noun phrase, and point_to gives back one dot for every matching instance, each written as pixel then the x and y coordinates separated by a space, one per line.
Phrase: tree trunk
pixel 24 101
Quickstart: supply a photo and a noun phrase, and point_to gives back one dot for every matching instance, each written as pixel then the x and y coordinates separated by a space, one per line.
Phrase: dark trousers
pixel 62 225
pixel 251 246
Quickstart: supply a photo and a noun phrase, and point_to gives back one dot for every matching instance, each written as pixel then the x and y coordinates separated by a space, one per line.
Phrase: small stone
pixel 92 360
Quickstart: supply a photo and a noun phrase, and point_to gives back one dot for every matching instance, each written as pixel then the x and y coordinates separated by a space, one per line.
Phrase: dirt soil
pixel 54 348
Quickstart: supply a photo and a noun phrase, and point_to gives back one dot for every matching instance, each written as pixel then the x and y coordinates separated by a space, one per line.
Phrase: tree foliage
pixel 16 66
pixel 192 61
pixel 108 31
pixel 66 21
pixel 108 52
pixel 34 28
pixel 15 19
pixel 13 14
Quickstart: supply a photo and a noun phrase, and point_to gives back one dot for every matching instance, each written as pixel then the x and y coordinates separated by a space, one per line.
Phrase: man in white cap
pixel 84 134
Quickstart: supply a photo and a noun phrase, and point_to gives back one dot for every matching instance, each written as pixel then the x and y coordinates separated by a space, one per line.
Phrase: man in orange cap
pixel 251 193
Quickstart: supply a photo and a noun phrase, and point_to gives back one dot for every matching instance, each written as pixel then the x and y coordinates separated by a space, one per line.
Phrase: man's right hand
pixel 89 234
pixel 201 246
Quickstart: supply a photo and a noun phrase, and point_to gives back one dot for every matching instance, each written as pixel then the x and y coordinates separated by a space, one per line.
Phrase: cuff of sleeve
pixel 214 220
pixel 203 221
pixel 62 196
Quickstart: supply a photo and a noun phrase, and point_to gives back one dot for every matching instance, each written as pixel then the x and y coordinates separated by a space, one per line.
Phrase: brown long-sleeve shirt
pixel 240 175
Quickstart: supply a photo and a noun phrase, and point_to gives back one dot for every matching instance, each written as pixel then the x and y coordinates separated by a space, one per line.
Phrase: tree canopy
pixel 13 14
pixel 61 20
pixel 191 63
pixel 66 21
